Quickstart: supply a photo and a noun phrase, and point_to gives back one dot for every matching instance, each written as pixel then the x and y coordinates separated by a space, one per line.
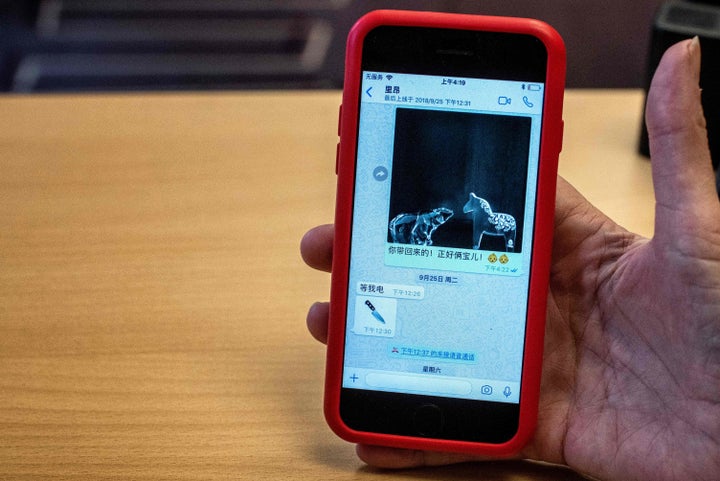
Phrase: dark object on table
pixel 679 20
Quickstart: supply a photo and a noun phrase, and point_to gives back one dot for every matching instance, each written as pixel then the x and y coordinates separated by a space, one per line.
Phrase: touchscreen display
pixel 444 203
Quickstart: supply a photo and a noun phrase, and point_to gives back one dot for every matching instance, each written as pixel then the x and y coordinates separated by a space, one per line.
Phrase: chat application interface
pixel 442 233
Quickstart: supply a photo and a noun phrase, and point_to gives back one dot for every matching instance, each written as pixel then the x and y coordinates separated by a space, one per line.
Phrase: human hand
pixel 631 372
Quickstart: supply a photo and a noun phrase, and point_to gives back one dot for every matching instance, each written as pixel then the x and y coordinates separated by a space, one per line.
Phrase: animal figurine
pixel 485 221
pixel 418 228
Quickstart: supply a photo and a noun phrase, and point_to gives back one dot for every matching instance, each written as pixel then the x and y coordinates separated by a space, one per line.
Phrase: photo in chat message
pixel 459 180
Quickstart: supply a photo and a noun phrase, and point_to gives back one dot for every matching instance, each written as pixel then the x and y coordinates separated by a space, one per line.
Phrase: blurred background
pixel 111 45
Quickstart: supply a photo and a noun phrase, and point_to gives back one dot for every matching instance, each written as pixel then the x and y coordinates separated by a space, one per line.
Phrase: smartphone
pixel 450 132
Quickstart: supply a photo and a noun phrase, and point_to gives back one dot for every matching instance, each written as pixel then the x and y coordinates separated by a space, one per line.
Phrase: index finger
pixel 316 247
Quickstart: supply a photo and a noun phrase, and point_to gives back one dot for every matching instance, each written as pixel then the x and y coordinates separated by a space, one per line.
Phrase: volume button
pixel 339 119
pixel 337 158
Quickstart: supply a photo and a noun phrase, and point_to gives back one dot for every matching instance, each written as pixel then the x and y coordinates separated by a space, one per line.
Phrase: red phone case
pixel 551 141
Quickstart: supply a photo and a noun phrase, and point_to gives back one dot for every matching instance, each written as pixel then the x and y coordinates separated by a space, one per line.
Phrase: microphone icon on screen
pixel 507 392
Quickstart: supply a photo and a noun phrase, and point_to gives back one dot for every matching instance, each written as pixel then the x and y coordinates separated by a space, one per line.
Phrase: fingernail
pixel 695 55
pixel 694 44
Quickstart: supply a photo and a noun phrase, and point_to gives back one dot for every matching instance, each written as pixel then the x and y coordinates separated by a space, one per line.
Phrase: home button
pixel 428 420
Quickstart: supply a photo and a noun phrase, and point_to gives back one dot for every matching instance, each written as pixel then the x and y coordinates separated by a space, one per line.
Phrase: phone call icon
pixel 527 102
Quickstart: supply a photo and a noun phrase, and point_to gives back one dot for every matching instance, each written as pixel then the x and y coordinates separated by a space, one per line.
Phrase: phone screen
pixel 442 235
pixel 442 228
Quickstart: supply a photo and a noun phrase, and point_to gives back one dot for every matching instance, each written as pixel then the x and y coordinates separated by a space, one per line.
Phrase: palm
pixel 617 374
pixel 631 374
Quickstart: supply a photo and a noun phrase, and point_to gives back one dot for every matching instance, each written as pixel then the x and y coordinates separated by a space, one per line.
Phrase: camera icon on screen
pixel 486 390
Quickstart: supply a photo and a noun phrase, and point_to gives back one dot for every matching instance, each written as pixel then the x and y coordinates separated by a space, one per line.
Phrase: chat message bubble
pixel 397 291
pixel 375 316
pixel 454 259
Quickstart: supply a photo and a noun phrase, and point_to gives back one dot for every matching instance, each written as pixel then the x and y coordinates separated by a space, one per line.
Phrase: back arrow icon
pixel 368 92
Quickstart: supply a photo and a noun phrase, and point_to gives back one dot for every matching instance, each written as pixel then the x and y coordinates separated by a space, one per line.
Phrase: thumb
pixel 682 169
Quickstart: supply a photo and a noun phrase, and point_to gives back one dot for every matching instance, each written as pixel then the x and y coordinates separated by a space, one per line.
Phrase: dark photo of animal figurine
pixel 459 180
pixel 485 221
pixel 417 229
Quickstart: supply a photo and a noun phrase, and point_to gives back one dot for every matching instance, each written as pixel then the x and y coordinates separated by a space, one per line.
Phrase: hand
pixel 631 372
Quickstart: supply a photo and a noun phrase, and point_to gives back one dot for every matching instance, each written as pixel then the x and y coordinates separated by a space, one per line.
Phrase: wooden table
pixel 152 296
